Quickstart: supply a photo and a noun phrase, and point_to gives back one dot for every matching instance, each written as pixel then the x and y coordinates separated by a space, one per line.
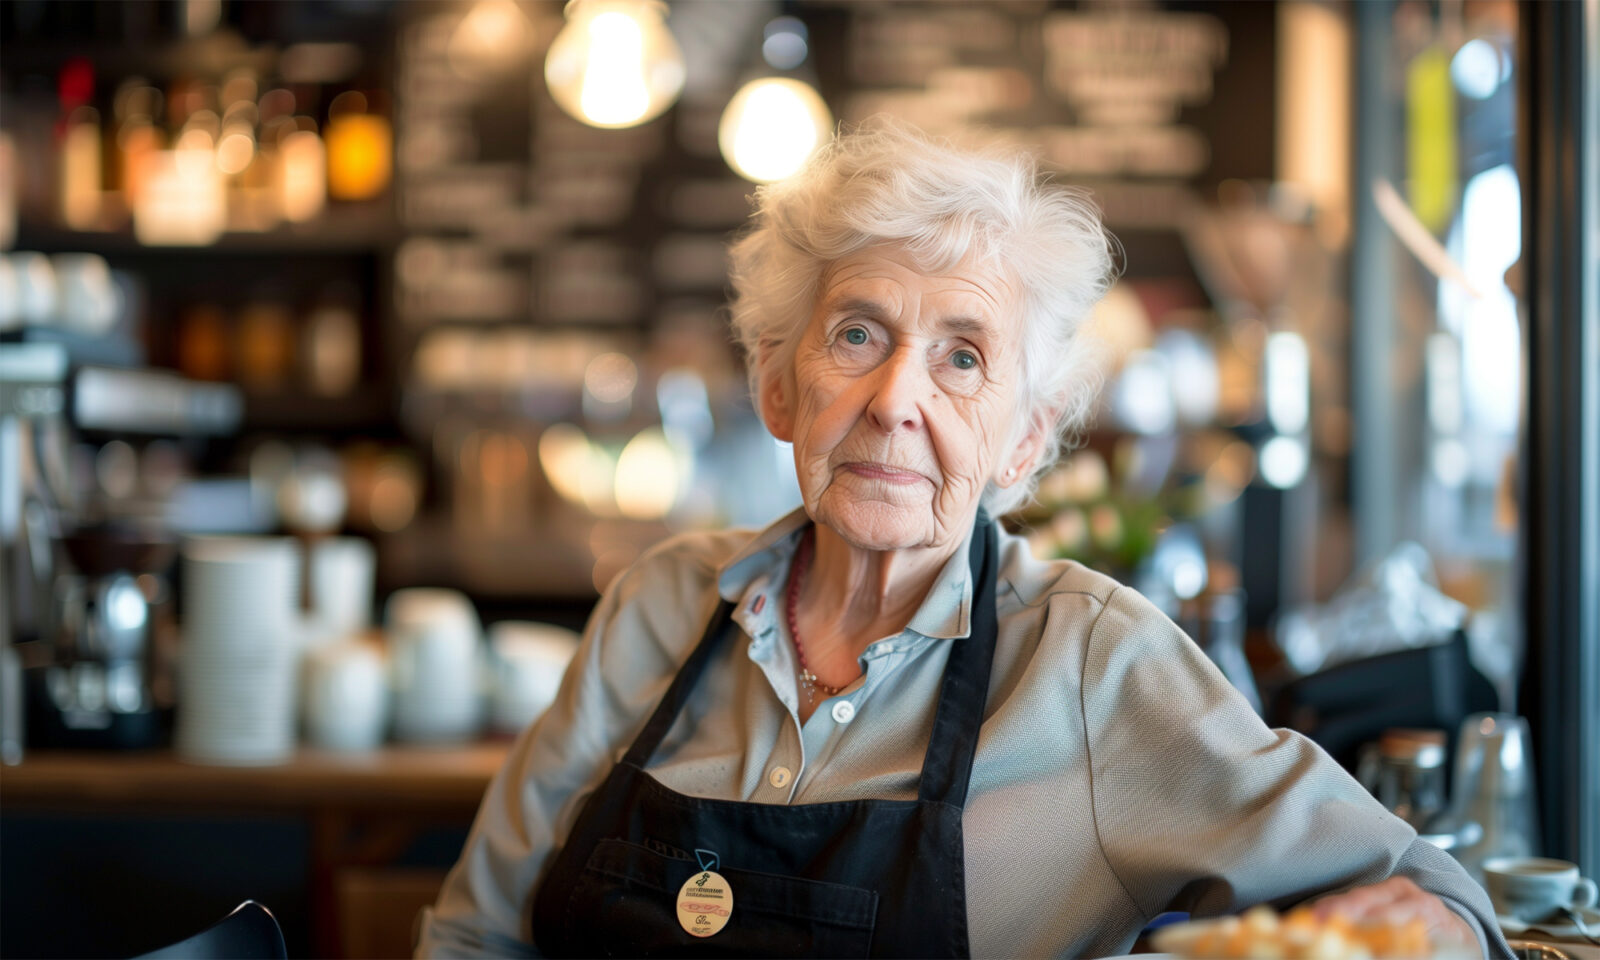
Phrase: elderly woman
pixel 880 726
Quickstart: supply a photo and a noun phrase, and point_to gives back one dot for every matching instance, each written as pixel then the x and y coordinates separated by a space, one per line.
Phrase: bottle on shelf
pixel 266 346
pixel 79 168
pixel 203 344
pixel 302 170
pixel 360 149
pixel 133 141
pixel 183 160
pixel 332 344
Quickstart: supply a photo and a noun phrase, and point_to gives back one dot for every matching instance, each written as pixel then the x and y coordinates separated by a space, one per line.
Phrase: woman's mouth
pixel 885 473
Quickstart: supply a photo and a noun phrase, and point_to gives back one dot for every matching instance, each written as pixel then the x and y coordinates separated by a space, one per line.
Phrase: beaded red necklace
pixel 797 573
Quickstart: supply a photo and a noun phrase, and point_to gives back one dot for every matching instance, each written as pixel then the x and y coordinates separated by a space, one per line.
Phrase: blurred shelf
pixel 546 559
pixel 531 569
pixel 293 411
pixel 156 57
pixel 345 231
pixel 81 348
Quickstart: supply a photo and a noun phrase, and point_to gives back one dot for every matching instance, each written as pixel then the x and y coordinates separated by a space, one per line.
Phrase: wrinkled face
pixel 906 388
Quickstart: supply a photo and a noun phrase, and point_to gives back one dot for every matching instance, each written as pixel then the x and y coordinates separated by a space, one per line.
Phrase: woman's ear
pixel 776 400
pixel 1016 465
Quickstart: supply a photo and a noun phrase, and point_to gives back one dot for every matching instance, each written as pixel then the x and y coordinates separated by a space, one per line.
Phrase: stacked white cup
pixel 75 291
pixel 529 660
pixel 345 696
pixel 237 667
pixel 435 661
pixel 342 570
pixel 87 297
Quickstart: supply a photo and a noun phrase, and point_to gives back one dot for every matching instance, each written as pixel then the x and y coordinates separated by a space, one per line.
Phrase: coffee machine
pixel 32 400
pixel 85 550
pixel 110 605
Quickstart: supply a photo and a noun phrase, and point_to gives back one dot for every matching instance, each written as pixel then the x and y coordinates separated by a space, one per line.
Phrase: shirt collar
pixel 946 612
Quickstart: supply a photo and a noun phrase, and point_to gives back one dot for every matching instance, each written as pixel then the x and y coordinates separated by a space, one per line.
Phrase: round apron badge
pixel 705 902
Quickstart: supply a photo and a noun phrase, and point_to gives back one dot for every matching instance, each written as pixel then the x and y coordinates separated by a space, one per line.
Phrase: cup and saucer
pixel 1536 893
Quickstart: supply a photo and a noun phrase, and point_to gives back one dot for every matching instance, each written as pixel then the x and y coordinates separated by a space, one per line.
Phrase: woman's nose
pixel 897 392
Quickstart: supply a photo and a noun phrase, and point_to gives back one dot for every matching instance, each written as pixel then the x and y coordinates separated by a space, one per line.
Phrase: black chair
pixel 1343 707
pixel 248 933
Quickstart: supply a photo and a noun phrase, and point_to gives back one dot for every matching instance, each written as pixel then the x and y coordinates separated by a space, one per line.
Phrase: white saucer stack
pixel 238 664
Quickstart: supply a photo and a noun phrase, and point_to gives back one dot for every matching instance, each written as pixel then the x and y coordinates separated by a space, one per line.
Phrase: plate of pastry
pixel 1260 933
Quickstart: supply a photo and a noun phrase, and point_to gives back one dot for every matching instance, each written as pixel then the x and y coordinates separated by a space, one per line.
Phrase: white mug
pixel 345 696
pixel 1533 889
pixel 529 660
pixel 37 293
pixel 10 295
pixel 435 665
pixel 435 671
pixel 87 298
pixel 342 570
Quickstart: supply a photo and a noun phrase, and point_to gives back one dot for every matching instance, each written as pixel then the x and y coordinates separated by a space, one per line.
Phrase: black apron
pixel 855 878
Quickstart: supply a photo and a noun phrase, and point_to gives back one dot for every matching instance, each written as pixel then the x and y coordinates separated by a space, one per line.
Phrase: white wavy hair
pixel 886 182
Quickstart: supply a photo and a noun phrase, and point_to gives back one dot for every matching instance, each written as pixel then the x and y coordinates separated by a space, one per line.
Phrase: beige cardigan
pixel 1118 775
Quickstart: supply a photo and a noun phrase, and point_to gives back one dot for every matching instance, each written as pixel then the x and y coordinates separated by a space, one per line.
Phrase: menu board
pixel 1121 98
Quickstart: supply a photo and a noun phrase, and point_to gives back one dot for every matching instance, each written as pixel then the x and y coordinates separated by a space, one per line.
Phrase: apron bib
pixel 856 878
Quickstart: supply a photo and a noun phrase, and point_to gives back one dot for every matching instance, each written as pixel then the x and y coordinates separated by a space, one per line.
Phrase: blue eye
pixel 855 335
pixel 964 360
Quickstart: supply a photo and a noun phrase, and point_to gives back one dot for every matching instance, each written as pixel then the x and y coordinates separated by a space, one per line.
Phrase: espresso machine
pixel 110 604
pixel 32 402
pixel 85 550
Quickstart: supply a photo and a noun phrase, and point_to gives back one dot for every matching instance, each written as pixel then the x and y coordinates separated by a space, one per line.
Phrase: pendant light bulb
pixel 771 127
pixel 615 64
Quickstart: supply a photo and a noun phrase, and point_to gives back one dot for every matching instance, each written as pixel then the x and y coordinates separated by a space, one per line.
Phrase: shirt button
pixel 761 601
pixel 779 777
pixel 844 711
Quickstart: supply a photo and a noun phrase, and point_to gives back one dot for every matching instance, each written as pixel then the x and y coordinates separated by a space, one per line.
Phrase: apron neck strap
pixel 947 767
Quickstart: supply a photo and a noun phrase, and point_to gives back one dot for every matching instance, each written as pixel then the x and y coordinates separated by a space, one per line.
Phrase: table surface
pixel 1578 949
pixel 393 777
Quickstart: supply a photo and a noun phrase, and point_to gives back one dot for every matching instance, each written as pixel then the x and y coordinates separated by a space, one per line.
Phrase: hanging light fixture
pixel 772 127
pixel 615 64
pixel 774 124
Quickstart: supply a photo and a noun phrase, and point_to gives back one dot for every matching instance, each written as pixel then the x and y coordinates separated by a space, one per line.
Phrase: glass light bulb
pixel 615 64
pixel 771 127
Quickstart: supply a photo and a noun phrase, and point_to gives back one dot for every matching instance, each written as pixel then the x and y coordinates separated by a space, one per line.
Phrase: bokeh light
pixel 772 127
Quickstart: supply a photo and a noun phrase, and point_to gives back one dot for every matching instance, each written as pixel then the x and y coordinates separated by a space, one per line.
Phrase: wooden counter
pixel 434 780
pixel 363 811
